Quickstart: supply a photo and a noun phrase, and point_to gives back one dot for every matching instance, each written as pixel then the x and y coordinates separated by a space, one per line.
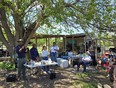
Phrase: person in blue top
pixel 34 53
pixel 21 58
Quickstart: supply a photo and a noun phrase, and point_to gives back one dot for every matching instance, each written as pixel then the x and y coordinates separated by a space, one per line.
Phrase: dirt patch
pixel 65 78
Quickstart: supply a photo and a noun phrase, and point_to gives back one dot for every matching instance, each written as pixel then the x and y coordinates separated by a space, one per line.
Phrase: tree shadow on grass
pixel 64 79
pixel 38 81
pixel 92 78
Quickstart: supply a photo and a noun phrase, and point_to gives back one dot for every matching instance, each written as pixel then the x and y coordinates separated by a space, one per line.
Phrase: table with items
pixel 32 65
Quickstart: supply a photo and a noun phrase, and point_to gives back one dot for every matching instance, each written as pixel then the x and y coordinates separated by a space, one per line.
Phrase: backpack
pixel 52 75
pixel 11 78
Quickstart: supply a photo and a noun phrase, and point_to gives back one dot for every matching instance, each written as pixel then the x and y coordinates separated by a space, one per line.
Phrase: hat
pixel 20 40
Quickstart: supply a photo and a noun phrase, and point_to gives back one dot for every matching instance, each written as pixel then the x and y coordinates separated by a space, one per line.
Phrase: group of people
pixel 108 61
pixel 21 51
pixel 82 58
pixel 85 59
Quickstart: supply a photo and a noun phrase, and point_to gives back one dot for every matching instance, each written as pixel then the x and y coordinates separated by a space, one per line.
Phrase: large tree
pixel 21 18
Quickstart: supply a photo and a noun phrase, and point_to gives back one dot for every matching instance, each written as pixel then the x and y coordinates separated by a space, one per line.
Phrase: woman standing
pixel 45 55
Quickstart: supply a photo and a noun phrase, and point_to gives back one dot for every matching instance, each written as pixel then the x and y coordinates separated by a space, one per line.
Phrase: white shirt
pixel 88 53
pixel 54 49
pixel 87 58
pixel 45 53
pixel 70 53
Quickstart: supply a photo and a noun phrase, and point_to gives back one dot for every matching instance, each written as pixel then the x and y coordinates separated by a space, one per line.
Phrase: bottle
pixel 49 60
pixel 32 62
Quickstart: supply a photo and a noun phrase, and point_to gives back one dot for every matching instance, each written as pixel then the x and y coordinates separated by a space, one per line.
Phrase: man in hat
pixel 21 60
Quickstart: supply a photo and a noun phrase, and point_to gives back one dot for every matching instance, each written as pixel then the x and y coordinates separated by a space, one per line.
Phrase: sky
pixel 64 30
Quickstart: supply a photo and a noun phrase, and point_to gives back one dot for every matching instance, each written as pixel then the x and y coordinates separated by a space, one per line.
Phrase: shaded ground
pixel 65 79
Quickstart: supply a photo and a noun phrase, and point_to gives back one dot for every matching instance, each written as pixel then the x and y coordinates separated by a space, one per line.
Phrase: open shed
pixel 74 41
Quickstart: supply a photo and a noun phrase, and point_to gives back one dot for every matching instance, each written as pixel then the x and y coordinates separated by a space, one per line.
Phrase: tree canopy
pixel 21 18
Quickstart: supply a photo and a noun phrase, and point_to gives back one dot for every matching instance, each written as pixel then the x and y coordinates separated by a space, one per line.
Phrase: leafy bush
pixel 7 65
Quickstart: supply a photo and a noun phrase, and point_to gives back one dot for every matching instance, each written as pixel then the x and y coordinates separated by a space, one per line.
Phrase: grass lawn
pixel 65 78
pixel 91 79
pixel 84 81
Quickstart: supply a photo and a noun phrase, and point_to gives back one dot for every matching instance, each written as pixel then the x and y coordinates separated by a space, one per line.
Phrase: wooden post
pixel 65 43
pixel 73 43
pixel 85 43
pixel 48 43
pixel 36 41
pixel 56 40
pixel 96 49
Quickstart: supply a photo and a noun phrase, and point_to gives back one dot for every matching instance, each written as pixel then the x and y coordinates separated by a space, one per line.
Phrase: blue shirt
pixel 34 53
pixel 20 54
pixel 105 59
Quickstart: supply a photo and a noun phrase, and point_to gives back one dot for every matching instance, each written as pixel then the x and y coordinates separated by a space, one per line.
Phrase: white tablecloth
pixel 39 64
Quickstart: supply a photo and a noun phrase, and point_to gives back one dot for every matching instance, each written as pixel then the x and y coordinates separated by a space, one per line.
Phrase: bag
pixel 52 76
pixel 11 78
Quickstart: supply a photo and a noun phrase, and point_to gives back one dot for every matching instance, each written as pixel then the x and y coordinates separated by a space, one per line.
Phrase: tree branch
pixel 37 24
pixel 104 28
pixel 6 26
pixel 3 39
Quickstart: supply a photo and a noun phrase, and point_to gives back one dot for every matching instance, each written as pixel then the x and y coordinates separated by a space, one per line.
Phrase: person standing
pixel 54 52
pixel 34 53
pixel 21 59
pixel 114 76
pixel 45 55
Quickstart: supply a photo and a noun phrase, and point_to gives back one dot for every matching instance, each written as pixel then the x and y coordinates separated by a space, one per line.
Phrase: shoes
pixel 108 75
pixel 18 79
pixel 84 71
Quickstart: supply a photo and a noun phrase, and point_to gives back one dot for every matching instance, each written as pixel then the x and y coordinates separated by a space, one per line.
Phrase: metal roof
pixel 57 36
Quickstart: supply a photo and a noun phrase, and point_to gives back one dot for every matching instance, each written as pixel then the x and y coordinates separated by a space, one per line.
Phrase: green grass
pixel 83 75
pixel 81 84
pixel 89 85
pixel 7 65
pixel 83 81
